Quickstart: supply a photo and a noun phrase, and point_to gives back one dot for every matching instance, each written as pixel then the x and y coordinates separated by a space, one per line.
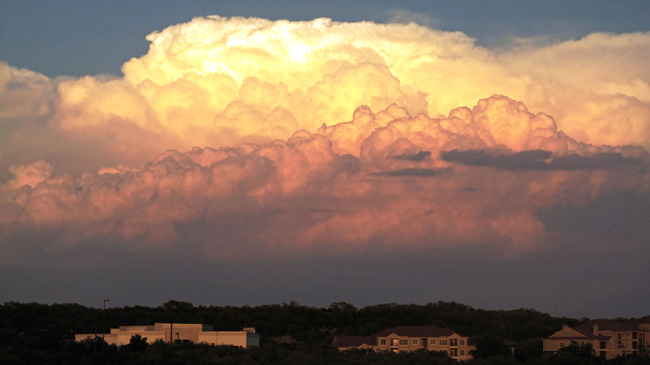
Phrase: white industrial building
pixel 182 332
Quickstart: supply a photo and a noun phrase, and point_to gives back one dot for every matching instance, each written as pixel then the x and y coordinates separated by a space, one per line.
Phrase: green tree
pixel 490 345
pixel 137 344
pixel 526 350
pixel 577 354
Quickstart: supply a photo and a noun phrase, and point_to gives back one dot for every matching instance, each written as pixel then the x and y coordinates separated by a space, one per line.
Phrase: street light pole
pixel 104 324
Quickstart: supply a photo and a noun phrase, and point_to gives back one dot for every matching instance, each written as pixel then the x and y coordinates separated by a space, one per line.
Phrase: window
pixel 393 342
pixel 612 354
pixel 403 342
pixel 561 344
pixel 443 342
pixel 462 352
pixel 634 335
pixel 414 341
pixel 627 335
pixel 382 341
pixel 433 342
pixel 453 352
pixel 462 342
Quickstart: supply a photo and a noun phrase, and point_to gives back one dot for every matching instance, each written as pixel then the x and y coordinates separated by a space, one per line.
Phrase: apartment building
pixel 609 338
pixel 410 338
pixel 178 332
pixel 643 322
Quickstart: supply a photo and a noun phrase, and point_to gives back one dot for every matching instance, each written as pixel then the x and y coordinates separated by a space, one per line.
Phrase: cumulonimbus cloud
pixel 334 190
pixel 287 167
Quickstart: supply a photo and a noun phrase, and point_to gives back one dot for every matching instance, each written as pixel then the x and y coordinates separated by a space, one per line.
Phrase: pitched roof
pixel 645 319
pixel 416 331
pixel 576 333
pixel 353 341
pixel 588 336
pixel 606 325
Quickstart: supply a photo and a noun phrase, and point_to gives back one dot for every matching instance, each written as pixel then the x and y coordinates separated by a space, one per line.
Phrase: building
pixel 182 332
pixel 410 338
pixel 609 338
pixel 643 322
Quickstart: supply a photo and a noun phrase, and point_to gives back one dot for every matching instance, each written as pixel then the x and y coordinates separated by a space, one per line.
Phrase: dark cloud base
pixel 416 157
pixel 535 160
pixel 416 172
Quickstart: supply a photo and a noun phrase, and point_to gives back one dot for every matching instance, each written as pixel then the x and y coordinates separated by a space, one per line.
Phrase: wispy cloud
pixel 406 17
pixel 417 157
pixel 535 160
pixel 413 171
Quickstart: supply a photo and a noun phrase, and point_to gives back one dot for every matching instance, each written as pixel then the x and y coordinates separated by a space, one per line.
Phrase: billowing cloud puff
pixel 28 176
pixel 24 95
pixel 385 179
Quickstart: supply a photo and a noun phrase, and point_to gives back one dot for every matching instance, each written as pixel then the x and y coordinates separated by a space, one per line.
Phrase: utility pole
pixel 104 324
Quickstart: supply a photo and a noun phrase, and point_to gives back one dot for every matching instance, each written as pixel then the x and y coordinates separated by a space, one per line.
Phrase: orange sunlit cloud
pixel 388 179
pixel 324 134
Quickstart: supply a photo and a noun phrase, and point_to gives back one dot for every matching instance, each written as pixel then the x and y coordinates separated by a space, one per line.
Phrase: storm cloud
pixel 254 194
pixel 250 140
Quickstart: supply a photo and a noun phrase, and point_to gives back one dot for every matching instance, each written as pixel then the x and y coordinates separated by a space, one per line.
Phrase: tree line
pixel 33 333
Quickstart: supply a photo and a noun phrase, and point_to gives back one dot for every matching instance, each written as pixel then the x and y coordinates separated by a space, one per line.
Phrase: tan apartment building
pixel 410 338
pixel 609 338
pixel 178 332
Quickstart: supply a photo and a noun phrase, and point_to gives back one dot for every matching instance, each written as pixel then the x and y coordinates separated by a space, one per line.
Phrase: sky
pixel 255 152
